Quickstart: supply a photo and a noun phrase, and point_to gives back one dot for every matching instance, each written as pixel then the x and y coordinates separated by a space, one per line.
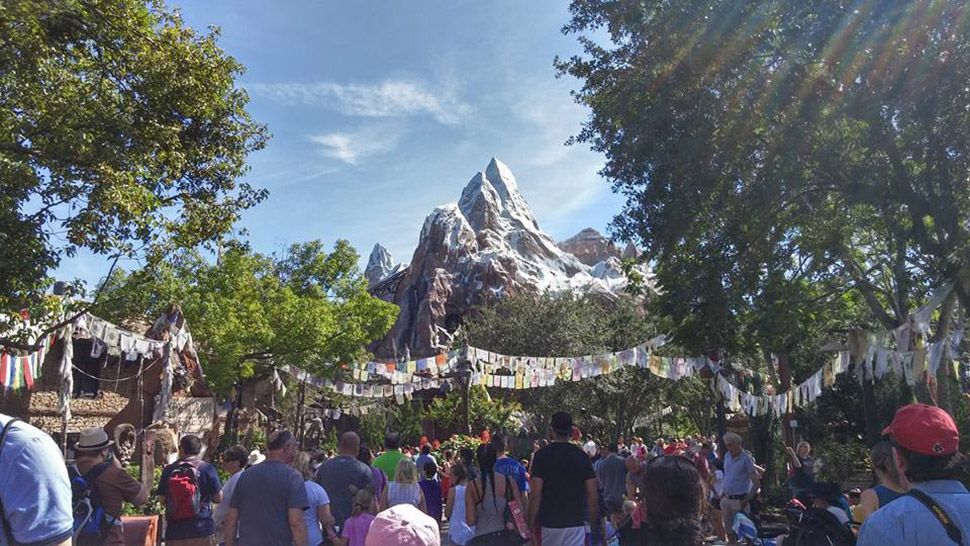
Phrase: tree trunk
pixel 784 385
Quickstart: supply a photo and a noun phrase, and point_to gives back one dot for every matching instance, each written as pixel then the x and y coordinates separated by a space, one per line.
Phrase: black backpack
pixel 91 522
pixel 818 527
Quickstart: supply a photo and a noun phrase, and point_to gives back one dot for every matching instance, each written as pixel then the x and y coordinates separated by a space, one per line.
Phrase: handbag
pixel 514 517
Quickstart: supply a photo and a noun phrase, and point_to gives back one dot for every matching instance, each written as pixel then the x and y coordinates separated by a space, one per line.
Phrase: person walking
pixel 337 474
pixel 378 478
pixel 508 466
pixel 111 484
pixel 425 457
pixel 562 484
pixel 388 460
pixel 319 521
pixel 611 474
pixel 431 490
pixel 891 485
pixel 740 480
pixel 35 491
pixel 234 461
pixel 188 523
pixel 357 526
pixel 404 489
pixel 270 498
pixel 458 529
pixel 936 510
pixel 486 499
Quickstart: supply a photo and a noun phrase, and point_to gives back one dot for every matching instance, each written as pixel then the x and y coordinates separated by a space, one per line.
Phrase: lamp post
pixel 464 375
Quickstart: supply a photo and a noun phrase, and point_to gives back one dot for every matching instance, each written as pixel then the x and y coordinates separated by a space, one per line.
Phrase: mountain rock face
pixel 485 246
pixel 380 266
pixel 590 247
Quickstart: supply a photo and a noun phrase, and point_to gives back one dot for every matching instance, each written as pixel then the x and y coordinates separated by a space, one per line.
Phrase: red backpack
pixel 184 498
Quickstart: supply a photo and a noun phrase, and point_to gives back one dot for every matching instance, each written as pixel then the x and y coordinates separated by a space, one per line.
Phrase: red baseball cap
pixel 924 429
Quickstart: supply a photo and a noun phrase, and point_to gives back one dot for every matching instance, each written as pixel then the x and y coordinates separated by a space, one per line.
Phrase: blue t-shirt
pixel 202 525
pixel 316 497
pixel 508 466
pixel 738 472
pixel 907 521
pixel 422 460
pixel 34 487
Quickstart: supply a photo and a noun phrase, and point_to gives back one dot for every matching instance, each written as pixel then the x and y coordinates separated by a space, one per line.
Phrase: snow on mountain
pixel 380 266
pixel 488 245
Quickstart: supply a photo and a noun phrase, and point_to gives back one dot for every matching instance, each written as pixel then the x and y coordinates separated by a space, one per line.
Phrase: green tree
pixel 801 158
pixel 121 129
pixel 485 412
pixel 570 325
pixel 248 312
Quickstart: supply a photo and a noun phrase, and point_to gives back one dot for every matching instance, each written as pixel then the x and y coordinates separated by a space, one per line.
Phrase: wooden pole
pixel 300 414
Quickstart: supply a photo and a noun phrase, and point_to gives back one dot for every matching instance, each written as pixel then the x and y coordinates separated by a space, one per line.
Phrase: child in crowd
pixel 404 489
pixel 432 491
pixel 458 530
pixel 355 528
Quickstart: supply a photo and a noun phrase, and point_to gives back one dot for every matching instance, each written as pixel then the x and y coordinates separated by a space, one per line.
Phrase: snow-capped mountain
pixel 380 266
pixel 487 245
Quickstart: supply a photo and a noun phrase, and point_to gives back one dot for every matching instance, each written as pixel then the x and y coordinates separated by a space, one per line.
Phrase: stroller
pixel 751 534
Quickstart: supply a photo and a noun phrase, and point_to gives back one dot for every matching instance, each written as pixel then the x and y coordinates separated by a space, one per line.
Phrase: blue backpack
pixel 91 522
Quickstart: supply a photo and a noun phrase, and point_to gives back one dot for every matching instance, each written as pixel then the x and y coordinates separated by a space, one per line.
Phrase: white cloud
pixel 390 98
pixel 553 116
pixel 351 147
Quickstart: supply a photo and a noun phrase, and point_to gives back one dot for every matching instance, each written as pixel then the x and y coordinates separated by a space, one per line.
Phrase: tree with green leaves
pixel 810 159
pixel 569 325
pixel 250 312
pixel 121 130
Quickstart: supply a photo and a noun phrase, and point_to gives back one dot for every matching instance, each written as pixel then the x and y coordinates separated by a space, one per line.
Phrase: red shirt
pixel 702 465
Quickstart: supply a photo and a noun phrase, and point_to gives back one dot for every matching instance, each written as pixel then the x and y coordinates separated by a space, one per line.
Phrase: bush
pixel 154 505
pixel 455 443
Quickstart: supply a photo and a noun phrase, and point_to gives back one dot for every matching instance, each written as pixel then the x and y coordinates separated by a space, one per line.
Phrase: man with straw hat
pixel 113 486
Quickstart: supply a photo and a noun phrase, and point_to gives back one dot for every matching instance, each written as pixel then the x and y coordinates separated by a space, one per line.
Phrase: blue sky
pixel 381 111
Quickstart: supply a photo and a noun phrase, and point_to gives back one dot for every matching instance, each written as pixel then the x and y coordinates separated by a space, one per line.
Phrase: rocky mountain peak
pixel 486 246
pixel 380 265
pixel 590 247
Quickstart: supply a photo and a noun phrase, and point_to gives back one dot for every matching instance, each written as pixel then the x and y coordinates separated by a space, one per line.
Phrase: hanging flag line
pixel 18 371
pixel 21 371
pixel 517 372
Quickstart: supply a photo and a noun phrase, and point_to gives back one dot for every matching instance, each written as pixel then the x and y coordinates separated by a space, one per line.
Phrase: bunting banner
pixel 18 371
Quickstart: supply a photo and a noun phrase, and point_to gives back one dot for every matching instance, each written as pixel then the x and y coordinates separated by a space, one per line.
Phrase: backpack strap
pixel 7 531
pixel 945 520
pixel 95 472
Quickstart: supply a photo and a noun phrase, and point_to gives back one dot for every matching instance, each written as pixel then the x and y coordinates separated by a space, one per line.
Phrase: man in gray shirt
pixel 269 499
pixel 342 476
pixel 611 475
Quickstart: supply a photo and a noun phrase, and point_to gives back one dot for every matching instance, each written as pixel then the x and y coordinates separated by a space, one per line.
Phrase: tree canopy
pixel 828 141
pixel 570 325
pixel 120 129
pixel 248 312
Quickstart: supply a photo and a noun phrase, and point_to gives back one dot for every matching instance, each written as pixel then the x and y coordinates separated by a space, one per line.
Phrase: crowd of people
pixel 569 492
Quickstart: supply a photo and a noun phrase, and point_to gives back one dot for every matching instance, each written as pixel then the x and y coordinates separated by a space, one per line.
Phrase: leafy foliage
pixel 794 170
pixel 248 311
pixel 821 141
pixel 570 325
pixel 120 129
pixel 485 412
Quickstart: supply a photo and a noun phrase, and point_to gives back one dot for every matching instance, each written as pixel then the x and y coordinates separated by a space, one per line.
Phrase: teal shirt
pixel 388 462
pixel 908 522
